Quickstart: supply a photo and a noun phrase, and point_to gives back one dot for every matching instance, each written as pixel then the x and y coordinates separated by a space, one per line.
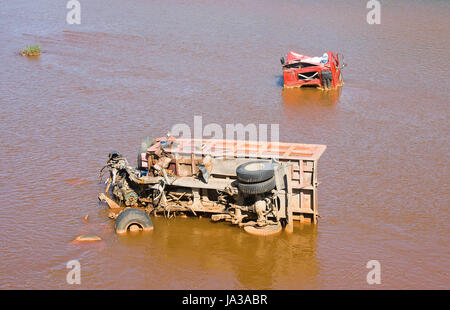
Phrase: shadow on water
pixel 279 80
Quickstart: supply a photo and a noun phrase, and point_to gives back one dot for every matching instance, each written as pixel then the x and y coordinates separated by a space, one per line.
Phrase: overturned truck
pixel 260 186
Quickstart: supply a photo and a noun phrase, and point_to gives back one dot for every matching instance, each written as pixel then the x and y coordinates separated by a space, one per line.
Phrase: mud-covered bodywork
pixel 220 179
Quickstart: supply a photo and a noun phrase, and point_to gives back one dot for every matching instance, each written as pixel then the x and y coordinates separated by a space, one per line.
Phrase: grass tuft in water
pixel 31 50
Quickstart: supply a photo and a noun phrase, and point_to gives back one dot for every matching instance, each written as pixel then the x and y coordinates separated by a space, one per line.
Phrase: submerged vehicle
pixel 323 72
pixel 260 186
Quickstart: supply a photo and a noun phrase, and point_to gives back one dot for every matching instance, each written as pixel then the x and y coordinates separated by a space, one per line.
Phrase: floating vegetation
pixel 31 50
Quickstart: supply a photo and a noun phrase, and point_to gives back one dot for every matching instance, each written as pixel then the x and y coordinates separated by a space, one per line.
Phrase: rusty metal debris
pixel 188 176
pixel 87 238
pixel 111 203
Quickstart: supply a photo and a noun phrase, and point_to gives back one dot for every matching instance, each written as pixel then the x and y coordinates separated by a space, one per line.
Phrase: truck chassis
pixel 260 186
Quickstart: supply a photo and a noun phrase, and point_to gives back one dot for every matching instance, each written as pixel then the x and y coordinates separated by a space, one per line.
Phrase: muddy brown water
pixel 135 68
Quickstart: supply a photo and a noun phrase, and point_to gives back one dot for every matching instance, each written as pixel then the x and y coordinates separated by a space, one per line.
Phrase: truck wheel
pixel 257 188
pixel 133 219
pixel 328 82
pixel 327 79
pixel 254 171
pixel 145 144
pixel 263 231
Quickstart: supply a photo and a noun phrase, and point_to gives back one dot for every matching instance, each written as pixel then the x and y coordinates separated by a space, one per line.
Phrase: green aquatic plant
pixel 31 50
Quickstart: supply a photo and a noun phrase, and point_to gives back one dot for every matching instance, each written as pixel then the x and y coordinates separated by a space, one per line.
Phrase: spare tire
pixel 133 217
pixel 145 144
pixel 254 171
pixel 257 188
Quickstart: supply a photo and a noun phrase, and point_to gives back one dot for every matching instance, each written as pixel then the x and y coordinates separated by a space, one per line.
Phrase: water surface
pixel 133 69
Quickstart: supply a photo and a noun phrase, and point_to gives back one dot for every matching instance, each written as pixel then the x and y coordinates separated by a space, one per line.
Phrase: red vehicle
pixel 323 72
